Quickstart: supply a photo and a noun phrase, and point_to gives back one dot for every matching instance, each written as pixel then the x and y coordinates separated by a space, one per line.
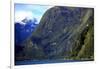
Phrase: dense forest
pixel 65 33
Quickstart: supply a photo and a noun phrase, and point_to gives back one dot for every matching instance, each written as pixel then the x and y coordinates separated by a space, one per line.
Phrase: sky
pixel 29 11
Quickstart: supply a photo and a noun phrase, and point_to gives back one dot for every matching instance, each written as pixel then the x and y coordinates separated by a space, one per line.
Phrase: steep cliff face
pixel 63 33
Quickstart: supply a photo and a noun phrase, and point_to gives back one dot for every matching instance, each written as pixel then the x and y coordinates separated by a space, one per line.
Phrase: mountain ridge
pixel 61 34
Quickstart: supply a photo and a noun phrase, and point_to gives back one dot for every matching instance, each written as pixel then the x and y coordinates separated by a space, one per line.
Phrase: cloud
pixel 27 10
pixel 20 15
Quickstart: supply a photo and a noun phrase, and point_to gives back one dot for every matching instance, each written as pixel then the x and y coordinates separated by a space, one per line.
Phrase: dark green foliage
pixel 63 33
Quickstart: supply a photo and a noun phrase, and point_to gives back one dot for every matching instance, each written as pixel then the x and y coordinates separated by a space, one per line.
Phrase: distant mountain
pixel 63 33
pixel 24 29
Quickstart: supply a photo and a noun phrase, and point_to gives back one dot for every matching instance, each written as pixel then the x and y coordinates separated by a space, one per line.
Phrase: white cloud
pixel 23 11
pixel 20 15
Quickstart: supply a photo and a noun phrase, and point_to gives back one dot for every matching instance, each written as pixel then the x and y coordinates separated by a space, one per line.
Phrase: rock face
pixel 63 33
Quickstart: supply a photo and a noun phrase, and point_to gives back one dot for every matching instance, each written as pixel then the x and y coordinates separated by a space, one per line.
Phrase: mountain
pixel 63 33
pixel 24 29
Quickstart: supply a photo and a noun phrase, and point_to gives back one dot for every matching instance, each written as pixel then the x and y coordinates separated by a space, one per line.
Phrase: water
pixel 27 62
